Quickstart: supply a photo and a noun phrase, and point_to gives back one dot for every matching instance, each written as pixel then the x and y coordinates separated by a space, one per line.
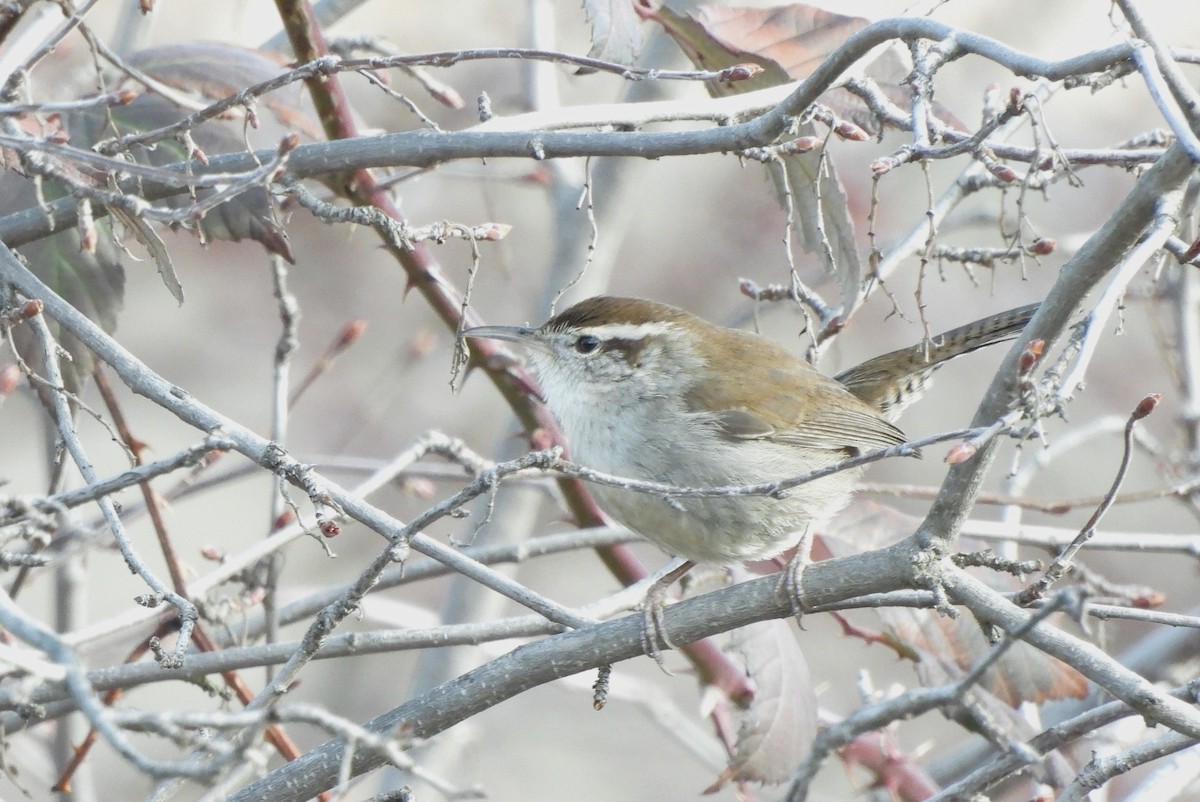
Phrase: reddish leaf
pixel 950 647
pixel 789 42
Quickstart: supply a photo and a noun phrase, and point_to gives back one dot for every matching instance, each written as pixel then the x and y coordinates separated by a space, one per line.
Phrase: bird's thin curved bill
pixel 516 334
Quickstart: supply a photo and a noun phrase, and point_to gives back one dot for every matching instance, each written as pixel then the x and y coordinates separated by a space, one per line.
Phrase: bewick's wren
pixel 647 391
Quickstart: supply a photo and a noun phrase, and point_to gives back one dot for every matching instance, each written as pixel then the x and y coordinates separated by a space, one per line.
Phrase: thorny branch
pixel 1151 212
pixel 422 148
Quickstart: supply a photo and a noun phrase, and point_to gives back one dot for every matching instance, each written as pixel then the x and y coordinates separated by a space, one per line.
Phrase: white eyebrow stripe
pixel 628 331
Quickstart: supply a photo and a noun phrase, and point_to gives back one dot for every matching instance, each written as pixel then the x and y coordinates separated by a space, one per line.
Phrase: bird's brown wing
pixel 792 403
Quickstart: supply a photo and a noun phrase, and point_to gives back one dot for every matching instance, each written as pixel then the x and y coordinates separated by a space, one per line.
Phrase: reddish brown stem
pixel 425 275
pixel 200 637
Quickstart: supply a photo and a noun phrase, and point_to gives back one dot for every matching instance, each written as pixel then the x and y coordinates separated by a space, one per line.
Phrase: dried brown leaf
pixel 791 41
pixel 788 42
pixel 616 30
pixel 948 648
pixel 215 70
pixel 778 728
pixel 153 243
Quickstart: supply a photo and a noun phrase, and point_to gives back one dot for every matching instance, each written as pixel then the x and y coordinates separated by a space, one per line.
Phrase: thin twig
pixel 66 429
pixel 1062 563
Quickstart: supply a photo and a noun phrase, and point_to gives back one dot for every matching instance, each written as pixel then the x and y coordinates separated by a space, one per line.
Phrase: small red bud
pixel 494 232
pixel 803 144
pixel 422 344
pixel 1042 247
pixel 850 132
pixel 1146 406
pixel 31 308
pixel 1149 599
pixel 540 439
pixel 10 377
pixel 448 97
pixel 88 238
pixel 330 528
pixel 1030 356
pixel 289 143
pixel 420 487
pixel 1004 173
pixel 739 72
pixel 350 334
pixel 882 166
pixel 212 553
pixel 539 175
pixel 960 453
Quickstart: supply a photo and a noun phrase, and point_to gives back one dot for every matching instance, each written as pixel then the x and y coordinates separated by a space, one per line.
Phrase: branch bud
pixel 10 377
pixel 850 132
pixel 1146 406
pixel 1043 247
pixel 960 453
pixel 739 72
pixel 1030 356
pixel 1003 172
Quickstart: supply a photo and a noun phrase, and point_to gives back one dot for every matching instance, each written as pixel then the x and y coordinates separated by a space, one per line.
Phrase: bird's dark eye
pixel 587 343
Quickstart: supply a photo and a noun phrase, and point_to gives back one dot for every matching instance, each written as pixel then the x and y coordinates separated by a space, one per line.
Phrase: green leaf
pixel 248 216
pixel 93 282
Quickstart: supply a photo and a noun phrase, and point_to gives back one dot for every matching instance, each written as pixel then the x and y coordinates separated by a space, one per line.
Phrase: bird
pixel 647 391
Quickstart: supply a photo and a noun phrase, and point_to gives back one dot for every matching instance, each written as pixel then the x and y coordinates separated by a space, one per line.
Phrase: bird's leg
pixel 654 630
pixel 789 580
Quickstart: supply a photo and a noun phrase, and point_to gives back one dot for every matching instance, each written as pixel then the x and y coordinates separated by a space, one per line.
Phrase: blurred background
pixel 680 230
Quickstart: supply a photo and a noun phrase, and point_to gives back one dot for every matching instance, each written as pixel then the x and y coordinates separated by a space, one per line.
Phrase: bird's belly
pixel 726 529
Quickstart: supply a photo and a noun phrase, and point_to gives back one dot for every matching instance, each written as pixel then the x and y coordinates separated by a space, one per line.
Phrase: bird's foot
pixel 654 627
pixel 790 586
